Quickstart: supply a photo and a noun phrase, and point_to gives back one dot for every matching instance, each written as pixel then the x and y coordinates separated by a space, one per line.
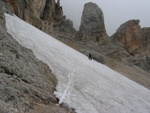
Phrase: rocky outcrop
pixel 144 50
pixel 92 24
pixel 136 41
pixel 28 10
pixel 64 28
pixel 146 36
pixel 52 11
pixel 24 80
pixel 46 15
pixel 142 55
pixel 129 34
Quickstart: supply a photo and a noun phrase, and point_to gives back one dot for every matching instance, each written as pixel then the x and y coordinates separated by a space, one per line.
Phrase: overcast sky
pixel 115 12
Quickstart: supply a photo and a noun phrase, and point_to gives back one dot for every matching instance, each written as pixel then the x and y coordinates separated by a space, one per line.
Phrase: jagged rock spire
pixel 92 24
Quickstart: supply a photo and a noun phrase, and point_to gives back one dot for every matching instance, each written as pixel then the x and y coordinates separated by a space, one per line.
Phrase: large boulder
pixel 92 24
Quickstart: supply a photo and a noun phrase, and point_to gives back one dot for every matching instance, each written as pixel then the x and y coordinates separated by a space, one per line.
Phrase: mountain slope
pixel 85 85
pixel 25 81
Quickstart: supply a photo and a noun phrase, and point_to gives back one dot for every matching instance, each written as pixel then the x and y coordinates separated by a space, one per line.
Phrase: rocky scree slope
pixel 24 80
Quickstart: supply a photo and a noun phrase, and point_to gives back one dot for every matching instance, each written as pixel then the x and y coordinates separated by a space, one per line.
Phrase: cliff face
pixel 29 10
pixel 129 34
pixel 26 9
pixel 145 42
pixel 136 41
pixel 92 24
pixel 46 15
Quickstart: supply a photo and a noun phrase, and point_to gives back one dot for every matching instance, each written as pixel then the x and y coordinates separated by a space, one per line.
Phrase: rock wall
pixel 129 34
pixel 145 49
pixel 136 41
pixel 30 9
pixel 43 14
pixel 92 24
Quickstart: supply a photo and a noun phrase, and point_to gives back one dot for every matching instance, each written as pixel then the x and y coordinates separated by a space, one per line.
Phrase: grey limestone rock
pixel 92 24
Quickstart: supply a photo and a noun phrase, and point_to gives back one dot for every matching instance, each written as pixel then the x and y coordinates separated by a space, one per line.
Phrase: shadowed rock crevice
pixel 46 12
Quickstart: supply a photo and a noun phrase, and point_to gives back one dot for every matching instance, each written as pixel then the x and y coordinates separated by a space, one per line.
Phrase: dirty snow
pixel 85 85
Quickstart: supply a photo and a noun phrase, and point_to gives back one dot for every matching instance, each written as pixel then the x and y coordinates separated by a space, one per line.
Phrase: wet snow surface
pixel 85 85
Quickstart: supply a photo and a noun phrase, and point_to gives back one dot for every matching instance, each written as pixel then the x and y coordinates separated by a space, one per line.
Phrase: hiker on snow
pixel 90 56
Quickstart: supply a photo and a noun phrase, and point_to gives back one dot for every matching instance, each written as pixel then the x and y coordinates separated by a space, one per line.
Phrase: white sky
pixel 115 12
pixel 87 86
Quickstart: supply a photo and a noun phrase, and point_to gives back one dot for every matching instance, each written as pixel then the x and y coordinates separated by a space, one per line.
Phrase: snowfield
pixel 85 85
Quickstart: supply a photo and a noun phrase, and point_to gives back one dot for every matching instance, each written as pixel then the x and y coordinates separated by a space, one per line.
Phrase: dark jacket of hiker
pixel 90 56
